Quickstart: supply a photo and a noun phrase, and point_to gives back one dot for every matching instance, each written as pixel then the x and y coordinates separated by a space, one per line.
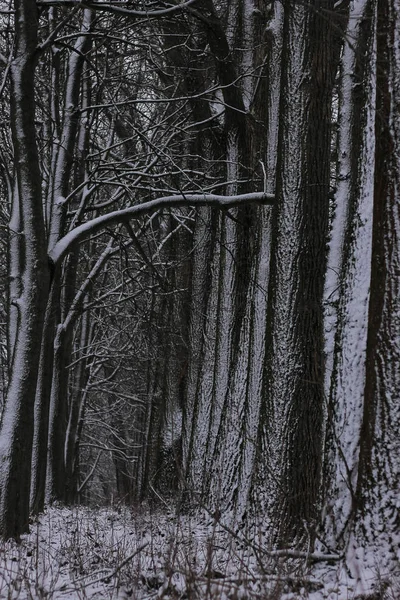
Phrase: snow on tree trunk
pixel 237 439
pixel 16 432
pixel 216 351
pixel 200 331
pixel 42 402
pixel 216 354
pixel 268 87
pixel 344 183
pixel 54 408
pixel 202 337
pixel 349 268
pixel 224 413
pixel 379 468
pixel 293 416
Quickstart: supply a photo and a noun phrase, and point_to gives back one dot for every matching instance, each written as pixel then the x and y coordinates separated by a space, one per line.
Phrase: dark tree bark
pixel 294 415
pixel 378 471
pixel 348 276
pixel 77 400
pixel 33 282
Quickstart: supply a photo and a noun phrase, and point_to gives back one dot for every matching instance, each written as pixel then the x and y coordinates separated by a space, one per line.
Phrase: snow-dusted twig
pixel 126 560
pixel 313 556
pixel 92 470
pixel 62 247
pixel 108 576
pixel 117 7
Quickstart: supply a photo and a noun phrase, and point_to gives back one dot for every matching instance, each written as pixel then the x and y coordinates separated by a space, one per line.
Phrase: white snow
pixel 118 553
pixel 347 388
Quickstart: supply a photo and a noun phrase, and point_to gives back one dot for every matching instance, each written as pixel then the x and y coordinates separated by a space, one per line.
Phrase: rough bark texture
pixel 294 377
pixel 350 259
pixel 379 470
pixel 17 420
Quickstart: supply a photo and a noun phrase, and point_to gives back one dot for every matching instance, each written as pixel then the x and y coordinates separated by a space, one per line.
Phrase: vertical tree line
pixel 171 334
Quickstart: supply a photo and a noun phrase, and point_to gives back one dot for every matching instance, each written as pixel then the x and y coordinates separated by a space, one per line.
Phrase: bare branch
pixel 64 245
pixel 117 8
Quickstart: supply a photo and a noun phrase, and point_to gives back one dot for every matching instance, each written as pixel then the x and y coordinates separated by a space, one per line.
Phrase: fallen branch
pixel 124 562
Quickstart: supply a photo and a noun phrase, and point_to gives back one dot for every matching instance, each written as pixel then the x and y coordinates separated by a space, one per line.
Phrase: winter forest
pixel 200 269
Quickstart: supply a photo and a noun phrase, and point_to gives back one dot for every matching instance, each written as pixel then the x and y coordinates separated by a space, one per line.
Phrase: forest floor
pixel 82 553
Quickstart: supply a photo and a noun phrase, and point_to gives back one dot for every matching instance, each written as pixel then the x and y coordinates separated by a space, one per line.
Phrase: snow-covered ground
pixel 82 553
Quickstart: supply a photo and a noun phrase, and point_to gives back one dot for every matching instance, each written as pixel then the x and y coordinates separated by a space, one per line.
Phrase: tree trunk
pixel 77 395
pixel 294 412
pixel 42 402
pixel 237 438
pixel 378 472
pixel 33 277
pixel 349 274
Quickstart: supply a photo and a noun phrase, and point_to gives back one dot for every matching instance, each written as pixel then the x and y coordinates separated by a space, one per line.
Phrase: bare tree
pixel 42 261
pixel 252 349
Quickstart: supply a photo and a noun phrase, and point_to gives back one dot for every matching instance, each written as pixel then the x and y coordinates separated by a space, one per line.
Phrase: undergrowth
pixel 106 554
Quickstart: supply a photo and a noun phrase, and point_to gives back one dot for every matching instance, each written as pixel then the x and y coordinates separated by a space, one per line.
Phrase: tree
pixel 378 477
pixel 212 450
pixel 348 278
pixel 253 349
pixel 30 280
pixel 363 386
pixel 291 434
pixel 39 243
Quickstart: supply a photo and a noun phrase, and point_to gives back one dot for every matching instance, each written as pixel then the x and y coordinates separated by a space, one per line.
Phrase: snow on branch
pixel 64 245
pixel 117 7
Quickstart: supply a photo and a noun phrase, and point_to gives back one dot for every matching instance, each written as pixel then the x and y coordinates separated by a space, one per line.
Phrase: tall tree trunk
pixel 295 396
pixel 349 274
pixel 237 439
pixel 33 282
pixel 269 86
pixel 218 327
pixel 56 412
pixel 202 348
pixel 378 472
pixel 42 401
pixel 78 393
